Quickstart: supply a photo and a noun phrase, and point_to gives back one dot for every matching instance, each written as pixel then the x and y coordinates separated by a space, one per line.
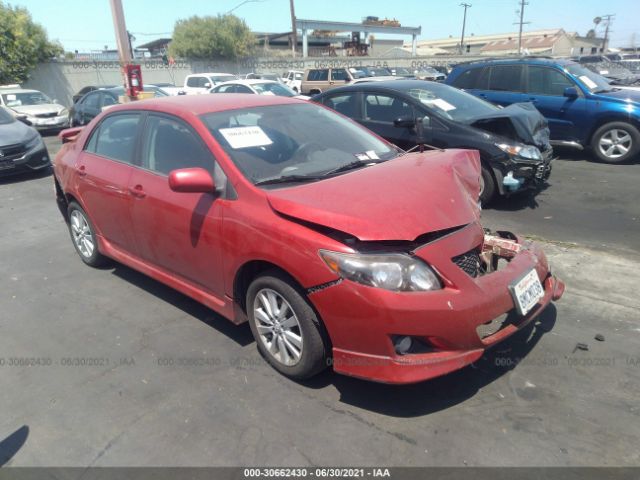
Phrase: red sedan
pixel 337 247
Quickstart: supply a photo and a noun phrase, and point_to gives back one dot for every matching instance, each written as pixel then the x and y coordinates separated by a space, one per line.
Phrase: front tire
pixel 83 236
pixel 487 186
pixel 287 330
pixel 615 142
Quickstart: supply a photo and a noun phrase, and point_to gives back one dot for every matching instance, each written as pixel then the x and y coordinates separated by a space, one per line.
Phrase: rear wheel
pixel 287 330
pixel 83 236
pixel 487 186
pixel 615 142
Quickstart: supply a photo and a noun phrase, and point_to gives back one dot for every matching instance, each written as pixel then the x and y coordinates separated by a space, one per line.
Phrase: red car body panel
pixel 198 243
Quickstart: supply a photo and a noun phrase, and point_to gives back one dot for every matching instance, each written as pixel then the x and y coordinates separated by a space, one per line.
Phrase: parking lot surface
pixel 105 367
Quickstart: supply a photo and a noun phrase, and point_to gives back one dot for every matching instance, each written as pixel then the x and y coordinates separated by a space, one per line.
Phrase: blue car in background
pixel 582 108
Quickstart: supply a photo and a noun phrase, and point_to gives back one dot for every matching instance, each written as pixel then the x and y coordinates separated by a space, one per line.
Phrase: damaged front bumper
pixel 449 328
pixel 519 174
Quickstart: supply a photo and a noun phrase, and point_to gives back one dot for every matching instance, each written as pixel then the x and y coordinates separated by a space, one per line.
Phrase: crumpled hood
pixel 519 121
pixel 38 109
pixel 400 199
pixel 14 133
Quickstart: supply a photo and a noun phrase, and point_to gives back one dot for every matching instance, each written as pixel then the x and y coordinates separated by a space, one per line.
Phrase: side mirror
pixel 570 92
pixel 207 85
pixel 23 119
pixel 424 133
pixel 347 80
pixel 404 122
pixel 191 180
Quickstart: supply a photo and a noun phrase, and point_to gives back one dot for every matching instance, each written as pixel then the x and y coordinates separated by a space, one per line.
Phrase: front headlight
pixel 34 142
pixel 523 151
pixel 63 113
pixel 397 272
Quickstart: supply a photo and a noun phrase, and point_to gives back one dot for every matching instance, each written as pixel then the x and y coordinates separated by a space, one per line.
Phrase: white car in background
pixel 257 87
pixel 35 107
pixel 199 83
pixel 293 79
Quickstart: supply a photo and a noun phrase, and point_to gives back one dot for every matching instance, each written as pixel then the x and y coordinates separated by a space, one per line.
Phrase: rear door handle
pixel 137 191
pixel 81 171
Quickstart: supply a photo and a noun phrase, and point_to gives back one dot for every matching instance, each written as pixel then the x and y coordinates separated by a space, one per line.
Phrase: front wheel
pixel 615 142
pixel 286 329
pixel 487 186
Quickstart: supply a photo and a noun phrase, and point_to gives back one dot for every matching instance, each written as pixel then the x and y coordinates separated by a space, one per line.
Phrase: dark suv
pixel 582 108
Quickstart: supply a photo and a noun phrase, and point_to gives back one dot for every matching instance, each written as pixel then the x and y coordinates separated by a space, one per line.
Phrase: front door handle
pixel 137 191
pixel 82 171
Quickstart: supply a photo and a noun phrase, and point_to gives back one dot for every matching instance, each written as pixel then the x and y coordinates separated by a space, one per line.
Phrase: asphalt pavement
pixel 104 367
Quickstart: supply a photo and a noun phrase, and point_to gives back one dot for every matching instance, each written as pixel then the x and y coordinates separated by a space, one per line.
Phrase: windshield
pixel 25 98
pixel 451 103
pixel 293 140
pixel 590 80
pixel 5 116
pixel 223 78
pixel 403 72
pixel 278 89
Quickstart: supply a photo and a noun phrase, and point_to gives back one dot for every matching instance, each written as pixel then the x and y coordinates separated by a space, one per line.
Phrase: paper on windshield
pixel 440 103
pixel 10 96
pixel 245 137
pixel 588 82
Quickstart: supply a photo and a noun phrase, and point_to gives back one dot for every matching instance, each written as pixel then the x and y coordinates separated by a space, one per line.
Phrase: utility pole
pixel 464 24
pixel 122 36
pixel 294 30
pixel 606 31
pixel 521 23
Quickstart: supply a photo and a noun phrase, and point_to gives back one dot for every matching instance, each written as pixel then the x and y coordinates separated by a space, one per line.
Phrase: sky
pixel 86 25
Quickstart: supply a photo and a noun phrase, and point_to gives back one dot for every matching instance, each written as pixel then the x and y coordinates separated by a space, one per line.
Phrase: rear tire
pixel 615 142
pixel 487 186
pixel 83 236
pixel 287 330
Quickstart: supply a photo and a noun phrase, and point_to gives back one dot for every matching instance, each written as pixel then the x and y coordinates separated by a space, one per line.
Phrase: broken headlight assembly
pixel 397 272
pixel 528 152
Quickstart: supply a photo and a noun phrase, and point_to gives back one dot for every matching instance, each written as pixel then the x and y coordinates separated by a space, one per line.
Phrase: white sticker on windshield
pixel 588 82
pixel 372 155
pixel 11 97
pixel 440 103
pixel 245 137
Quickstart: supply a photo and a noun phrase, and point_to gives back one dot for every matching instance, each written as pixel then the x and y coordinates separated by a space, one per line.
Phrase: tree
pixel 205 38
pixel 23 44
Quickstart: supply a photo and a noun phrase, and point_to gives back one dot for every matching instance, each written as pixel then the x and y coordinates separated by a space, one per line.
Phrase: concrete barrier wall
pixel 60 80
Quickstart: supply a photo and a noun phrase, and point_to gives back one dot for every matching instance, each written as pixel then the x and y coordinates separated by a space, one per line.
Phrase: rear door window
pixel 506 78
pixel 472 79
pixel 385 108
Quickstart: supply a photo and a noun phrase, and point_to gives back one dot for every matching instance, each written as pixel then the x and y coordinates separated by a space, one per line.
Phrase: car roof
pixel 201 104
pixel 391 85
pixel 525 60
pixel 220 74
pixel 247 81
pixel 18 90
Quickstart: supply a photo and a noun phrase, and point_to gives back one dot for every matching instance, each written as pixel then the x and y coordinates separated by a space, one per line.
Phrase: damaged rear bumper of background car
pixel 449 328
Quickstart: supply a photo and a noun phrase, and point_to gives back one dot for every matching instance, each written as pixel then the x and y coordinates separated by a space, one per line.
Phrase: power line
pixel 464 24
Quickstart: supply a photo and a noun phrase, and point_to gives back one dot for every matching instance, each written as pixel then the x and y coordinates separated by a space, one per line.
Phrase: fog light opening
pixel 403 345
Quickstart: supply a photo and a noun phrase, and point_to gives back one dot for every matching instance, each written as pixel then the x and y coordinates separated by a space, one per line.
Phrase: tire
pixel 487 186
pixel 279 340
pixel 83 236
pixel 615 142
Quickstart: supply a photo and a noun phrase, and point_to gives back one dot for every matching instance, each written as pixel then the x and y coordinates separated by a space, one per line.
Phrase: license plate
pixel 526 292
pixel 7 164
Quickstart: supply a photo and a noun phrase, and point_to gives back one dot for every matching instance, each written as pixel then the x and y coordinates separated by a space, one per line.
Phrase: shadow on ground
pixel 393 400
pixel 12 444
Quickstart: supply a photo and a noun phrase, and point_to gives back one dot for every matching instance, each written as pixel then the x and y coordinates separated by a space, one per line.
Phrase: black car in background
pixel 91 104
pixel 21 146
pixel 89 88
pixel 513 142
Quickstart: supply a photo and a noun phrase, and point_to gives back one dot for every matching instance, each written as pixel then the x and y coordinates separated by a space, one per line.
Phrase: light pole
pixel 464 24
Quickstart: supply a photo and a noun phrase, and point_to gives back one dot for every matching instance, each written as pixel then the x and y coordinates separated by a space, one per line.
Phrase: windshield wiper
pixel 288 179
pixel 351 166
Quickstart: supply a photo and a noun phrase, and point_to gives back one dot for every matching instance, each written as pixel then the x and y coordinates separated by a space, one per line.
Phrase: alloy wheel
pixel 81 233
pixel 615 143
pixel 278 327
